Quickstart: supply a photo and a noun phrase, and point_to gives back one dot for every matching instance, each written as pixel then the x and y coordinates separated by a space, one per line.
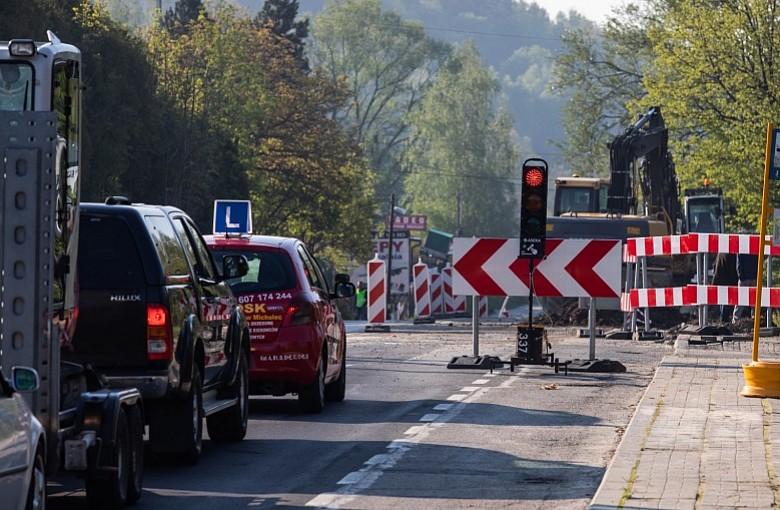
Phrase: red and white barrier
pixel 422 290
pixel 446 289
pixel 703 295
pixel 377 291
pixel 697 243
pixel 452 303
pixel 483 307
pixel 437 292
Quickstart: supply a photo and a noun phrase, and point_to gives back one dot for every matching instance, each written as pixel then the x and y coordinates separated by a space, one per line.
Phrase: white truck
pixel 93 431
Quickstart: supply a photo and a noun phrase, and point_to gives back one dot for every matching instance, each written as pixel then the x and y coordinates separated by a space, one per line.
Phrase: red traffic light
pixel 533 176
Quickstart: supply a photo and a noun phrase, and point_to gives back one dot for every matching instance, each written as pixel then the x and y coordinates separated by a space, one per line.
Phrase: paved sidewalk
pixel 694 441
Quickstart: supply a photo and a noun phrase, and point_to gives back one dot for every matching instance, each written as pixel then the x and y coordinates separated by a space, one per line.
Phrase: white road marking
pixel 358 481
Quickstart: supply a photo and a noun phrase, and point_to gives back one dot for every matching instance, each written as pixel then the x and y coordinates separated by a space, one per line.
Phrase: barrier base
pixel 585 333
pixel 762 379
pixel 620 335
pixel 596 365
pixel 377 328
pixel 647 335
pixel 424 320
pixel 713 331
pixel 481 362
pixel 705 340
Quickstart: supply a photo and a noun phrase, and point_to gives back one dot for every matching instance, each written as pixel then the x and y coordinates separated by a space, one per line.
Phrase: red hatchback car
pixel 298 338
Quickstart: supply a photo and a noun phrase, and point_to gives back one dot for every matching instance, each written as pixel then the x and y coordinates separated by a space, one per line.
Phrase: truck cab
pixel 91 430
pixel 577 194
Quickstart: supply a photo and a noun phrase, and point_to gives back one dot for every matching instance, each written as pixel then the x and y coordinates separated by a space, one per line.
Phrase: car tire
pixel 36 494
pixel 111 492
pixel 311 398
pixel 191 416
pixel 335 391
pixel 230 425
pixel 136 454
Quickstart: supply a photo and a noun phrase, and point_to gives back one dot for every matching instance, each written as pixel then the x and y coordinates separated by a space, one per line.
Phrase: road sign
pixel 774 158
pixel 232 217
pixel 572 268
pixel 408 222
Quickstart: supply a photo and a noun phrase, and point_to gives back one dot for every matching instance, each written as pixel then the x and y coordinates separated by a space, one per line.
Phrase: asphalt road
pixel 414 434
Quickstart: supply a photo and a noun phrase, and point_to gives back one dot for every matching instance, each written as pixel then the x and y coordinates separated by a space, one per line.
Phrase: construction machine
pixel 641 198
pixel 91 430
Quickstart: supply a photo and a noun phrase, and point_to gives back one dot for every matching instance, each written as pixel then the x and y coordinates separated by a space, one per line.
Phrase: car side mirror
pixel 234 266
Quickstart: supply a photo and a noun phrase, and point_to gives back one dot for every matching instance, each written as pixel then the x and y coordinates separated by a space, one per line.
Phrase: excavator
pixel 641 166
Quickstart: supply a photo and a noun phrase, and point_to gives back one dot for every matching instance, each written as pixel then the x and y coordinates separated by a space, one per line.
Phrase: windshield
pixel 16 86
pixel 575 200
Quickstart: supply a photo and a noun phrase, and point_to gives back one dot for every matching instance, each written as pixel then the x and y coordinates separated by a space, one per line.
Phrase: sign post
pixel 762 379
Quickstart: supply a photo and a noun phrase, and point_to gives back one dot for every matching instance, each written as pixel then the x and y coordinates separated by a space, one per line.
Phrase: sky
pixel 594 10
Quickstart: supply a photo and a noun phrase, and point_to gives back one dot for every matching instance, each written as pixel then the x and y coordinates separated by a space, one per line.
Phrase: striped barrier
pixel 437 295
pixel 377 291
pixel 692 295
pixel 483 307
pixel 452 303
pixel 696 243
pixel 422 291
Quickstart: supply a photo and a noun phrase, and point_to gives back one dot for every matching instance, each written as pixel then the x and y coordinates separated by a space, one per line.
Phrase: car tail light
pixel 159 335
pixel 299 313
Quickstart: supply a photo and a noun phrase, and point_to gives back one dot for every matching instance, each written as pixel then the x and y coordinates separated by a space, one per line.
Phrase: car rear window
pixel 268 271
pixel 107 256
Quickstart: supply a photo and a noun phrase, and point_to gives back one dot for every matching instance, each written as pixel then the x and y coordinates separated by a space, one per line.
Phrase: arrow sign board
pixel 572 268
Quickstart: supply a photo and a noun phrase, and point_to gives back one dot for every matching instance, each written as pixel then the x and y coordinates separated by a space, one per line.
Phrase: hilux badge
pixel 125 297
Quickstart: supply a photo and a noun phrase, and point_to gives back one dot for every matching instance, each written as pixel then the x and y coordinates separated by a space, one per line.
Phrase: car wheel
pixel 335 391
pixel 192 419
pixel 111 492
pixel 231 424
pixel 312 397
pixel 136 455
pixel 36 494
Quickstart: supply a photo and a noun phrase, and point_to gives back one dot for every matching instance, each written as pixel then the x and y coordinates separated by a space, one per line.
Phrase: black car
pixel 155 314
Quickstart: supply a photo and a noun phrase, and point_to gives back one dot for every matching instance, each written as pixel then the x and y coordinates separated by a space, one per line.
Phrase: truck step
pixel 210 408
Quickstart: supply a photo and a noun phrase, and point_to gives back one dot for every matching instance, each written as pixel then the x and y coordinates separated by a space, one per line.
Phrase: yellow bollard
pixel 762 379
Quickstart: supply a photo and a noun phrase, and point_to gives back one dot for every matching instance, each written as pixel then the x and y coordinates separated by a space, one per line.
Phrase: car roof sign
pixel 232 217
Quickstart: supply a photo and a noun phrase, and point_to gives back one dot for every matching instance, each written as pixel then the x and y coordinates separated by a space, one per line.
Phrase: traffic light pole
pixel 530 293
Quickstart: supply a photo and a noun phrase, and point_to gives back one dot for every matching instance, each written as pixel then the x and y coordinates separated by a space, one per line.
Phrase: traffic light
pixel 533 209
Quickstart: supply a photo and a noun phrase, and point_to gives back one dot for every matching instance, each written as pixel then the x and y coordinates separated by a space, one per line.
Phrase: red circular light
pixel 534 177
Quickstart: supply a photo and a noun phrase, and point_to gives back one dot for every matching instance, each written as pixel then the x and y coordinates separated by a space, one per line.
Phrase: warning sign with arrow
pixel 572 268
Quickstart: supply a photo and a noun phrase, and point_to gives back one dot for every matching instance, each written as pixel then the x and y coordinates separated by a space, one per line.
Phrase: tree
pixel 183 13
pixel 388 63
pixel 230 81
pixel 461 145
pixel 602 69
pixel 281 14
pixel 716 74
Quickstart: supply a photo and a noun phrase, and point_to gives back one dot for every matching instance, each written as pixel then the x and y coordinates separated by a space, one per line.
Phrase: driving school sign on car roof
pixel 232 217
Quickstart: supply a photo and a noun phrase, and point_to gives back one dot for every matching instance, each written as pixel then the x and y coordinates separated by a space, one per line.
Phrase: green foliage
pixel 601 71
pixel 388 63
pixel 716 74
pixel 461 146
pixel 232 80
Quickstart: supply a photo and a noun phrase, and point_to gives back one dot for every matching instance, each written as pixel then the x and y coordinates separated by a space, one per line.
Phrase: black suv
pixel 155 314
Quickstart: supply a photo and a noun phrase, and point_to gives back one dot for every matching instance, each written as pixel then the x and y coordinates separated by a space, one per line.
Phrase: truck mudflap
pixel 91 449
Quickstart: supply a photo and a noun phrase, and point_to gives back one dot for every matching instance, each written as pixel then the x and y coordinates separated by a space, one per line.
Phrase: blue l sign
pixel 232 217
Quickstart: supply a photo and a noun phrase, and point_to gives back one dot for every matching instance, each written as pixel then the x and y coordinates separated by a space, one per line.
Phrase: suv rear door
pixel 111 326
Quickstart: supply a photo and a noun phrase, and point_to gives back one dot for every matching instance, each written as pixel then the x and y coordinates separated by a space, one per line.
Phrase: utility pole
pixel 390 253
pixel 458 231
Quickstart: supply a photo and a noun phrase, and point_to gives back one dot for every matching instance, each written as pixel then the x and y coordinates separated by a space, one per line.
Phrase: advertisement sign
pixel 400 266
